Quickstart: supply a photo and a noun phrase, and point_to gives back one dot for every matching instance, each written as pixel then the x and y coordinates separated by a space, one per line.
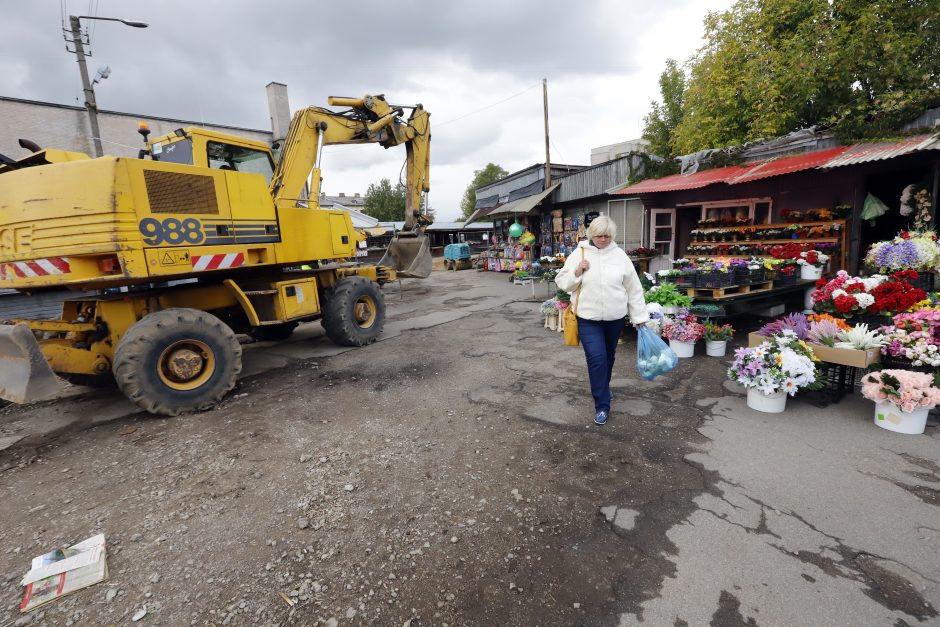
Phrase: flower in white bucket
pixel 813 258
pixel 906 389
pixel 782 363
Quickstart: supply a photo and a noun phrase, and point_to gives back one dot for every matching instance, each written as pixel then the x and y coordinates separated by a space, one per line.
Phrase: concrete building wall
pixel 67 128
pixel 613 151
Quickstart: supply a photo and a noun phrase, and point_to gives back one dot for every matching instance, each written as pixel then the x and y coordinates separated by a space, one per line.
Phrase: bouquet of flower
pixel 812 258
pixel 860 338
pixel 848 295
pixel 642 251
pixel 786 251
pixel 915 337
pixel 784 362
pixel 905 389
pixel 683 327
pixel 907 251
pixel 795 323
pixel 718 333
pixel 548 308
pixel 824 331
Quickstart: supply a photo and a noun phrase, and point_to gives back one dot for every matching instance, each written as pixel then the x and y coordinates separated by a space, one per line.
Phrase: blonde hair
pixel 602 225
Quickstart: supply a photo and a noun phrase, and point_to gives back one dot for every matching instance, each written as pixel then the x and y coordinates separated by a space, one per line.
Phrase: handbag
pixel 571 318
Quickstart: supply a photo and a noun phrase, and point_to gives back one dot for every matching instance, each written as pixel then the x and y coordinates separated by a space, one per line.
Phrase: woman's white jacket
pixel 610 289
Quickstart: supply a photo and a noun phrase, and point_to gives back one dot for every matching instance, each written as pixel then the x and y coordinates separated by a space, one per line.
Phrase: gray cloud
pixel 209 61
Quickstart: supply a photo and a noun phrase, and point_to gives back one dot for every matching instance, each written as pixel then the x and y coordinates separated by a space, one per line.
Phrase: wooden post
pixel 548 159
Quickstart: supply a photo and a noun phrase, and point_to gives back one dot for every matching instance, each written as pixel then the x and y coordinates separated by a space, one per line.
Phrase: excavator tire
pixel 273 332
pixel 354 313
pixel 177 360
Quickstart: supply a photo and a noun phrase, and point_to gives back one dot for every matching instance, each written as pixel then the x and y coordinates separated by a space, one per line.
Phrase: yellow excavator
pixel 203 236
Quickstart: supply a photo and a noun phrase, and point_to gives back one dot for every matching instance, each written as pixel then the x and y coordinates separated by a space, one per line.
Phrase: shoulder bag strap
pixel 578 295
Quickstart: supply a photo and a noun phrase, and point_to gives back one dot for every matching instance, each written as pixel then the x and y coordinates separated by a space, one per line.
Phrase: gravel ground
pixel 448 476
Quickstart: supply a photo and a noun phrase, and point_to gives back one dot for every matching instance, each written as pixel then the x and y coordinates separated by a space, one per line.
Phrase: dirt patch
pixel 373 487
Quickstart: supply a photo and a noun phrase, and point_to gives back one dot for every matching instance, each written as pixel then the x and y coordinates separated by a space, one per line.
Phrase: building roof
pixel 444 226
pixel 676 182
pixel 879 151
pixel 821 160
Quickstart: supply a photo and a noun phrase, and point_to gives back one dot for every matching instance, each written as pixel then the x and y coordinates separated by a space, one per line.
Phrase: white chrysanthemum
pixel 838 293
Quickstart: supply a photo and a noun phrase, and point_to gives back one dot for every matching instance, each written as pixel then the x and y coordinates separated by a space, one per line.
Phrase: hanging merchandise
pixel 873 209
pixel 527 237
pixel 515 230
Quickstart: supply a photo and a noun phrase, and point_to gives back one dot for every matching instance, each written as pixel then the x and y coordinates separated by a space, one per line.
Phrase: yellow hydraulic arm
pixel 370 120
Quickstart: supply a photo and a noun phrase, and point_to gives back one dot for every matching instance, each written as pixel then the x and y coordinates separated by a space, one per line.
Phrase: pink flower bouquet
pixel 907 390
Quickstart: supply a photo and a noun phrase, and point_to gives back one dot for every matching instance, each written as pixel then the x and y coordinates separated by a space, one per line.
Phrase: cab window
pixel 228 157
pixel 180 151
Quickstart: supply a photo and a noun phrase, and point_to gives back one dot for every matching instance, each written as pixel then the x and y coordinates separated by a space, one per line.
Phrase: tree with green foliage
pixel 770 67
pixel 385 202
pixel 489 174
pixel 664 117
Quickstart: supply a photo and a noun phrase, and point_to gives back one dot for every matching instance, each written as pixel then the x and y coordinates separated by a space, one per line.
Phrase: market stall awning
pixel 702 178
pixel 788 165
pixel 522 205
pixel 879 151
pixel 821 160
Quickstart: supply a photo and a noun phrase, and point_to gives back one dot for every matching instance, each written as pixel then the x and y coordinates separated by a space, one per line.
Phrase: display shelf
pixel 764 227
pixel 804 240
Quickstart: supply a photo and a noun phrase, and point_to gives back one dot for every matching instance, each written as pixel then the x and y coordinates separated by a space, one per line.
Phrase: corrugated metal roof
pixel 821 159
pixel 788 165
pixel 863 153
pixel 702 178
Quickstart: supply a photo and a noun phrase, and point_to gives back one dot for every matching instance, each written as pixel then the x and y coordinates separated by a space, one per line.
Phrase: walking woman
pixel 605 290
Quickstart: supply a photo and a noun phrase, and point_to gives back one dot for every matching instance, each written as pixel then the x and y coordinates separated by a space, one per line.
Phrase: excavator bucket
pixel 409 254
pixel 25 376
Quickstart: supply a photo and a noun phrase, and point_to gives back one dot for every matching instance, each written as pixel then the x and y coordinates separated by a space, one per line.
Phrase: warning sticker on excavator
pixel 174 257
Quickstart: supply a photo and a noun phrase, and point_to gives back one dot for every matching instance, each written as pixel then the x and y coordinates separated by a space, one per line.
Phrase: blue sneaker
pixel 600 418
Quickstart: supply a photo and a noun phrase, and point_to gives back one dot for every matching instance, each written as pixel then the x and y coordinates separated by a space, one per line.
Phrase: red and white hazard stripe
pixel 35 268
pixel 217 262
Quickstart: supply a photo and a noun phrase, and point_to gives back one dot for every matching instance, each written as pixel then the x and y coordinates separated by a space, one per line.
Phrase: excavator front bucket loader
pixel 409 253
pixel 25 376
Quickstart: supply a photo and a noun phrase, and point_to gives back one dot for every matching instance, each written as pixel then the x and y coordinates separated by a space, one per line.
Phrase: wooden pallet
pixel 719 293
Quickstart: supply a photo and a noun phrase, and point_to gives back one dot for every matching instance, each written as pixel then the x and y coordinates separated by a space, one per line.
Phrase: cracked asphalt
pixel 450 475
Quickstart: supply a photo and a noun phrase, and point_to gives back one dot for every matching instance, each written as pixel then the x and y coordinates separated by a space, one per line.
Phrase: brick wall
pixel 66 127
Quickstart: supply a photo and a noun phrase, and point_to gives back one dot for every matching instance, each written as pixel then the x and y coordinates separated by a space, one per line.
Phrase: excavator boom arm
pixel 370 120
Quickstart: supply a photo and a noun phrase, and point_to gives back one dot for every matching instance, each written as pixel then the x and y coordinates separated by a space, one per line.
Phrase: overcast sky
pixel 476 66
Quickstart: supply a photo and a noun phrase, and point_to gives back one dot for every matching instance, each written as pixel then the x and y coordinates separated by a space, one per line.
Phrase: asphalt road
pixel 450 474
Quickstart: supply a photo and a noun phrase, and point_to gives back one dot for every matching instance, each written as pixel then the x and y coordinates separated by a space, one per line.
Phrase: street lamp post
pixel 87 87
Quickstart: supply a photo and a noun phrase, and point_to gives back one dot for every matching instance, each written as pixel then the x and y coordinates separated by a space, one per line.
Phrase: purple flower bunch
pixel 795 322
pixel 896 256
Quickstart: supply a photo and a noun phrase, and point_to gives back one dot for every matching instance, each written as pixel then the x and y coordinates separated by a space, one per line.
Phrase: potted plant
pixel 670 298
pixel 683 331
pixel 716 339
pixel 902 399
pixel 812 263
pixel 774 369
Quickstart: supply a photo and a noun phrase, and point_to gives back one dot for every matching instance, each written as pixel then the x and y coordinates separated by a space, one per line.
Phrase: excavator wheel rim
pixel 173 375
pixel 365 311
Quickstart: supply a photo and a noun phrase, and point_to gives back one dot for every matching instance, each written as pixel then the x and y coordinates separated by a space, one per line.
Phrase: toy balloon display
pixel 515 230
pixel 527 238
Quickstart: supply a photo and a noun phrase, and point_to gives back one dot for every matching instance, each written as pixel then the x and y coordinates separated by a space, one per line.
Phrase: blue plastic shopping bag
pixel 653 356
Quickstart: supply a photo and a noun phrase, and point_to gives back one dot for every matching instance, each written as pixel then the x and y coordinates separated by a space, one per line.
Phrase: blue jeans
pixel 599 339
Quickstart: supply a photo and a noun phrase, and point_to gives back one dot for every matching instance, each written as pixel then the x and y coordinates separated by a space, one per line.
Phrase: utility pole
pixel 548 159
pixel 90 103
pixel 87 86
